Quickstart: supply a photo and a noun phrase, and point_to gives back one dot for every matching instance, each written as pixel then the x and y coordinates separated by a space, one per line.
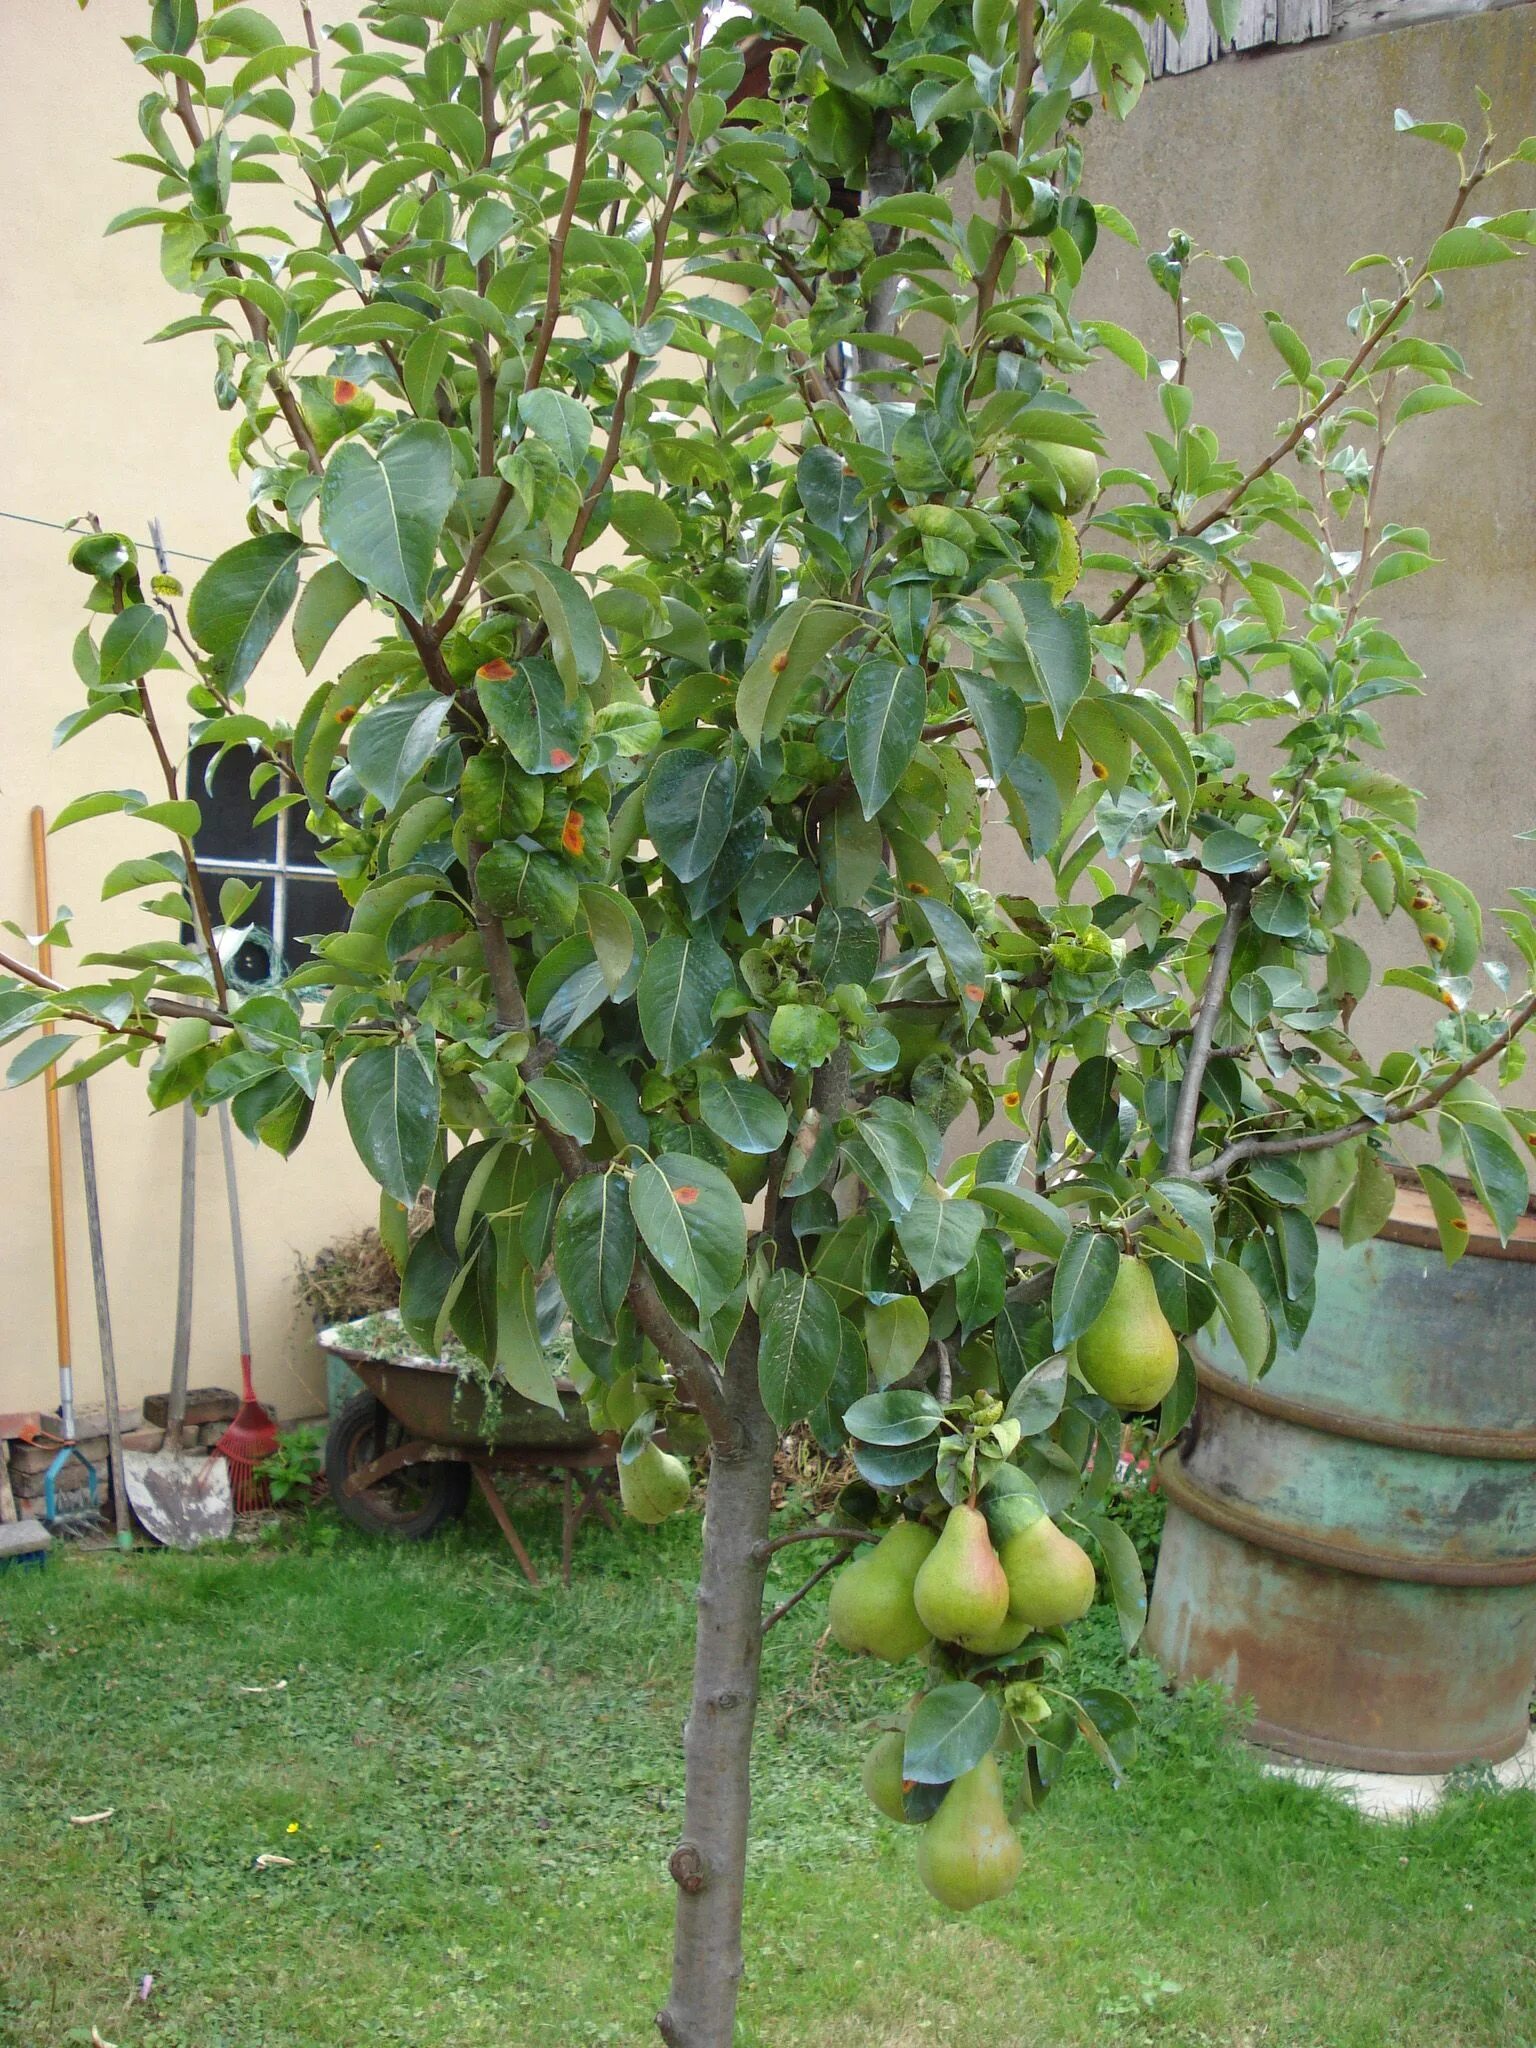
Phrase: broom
pixel 252 1436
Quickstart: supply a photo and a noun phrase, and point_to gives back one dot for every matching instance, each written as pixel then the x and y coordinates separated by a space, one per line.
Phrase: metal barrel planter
pixel 1351 1542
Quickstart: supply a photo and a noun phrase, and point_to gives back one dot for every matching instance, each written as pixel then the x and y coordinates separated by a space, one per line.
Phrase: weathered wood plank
pixel 1261 24
pixel 1370 17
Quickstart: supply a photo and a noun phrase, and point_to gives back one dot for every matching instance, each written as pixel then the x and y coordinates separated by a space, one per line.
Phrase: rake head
pixel 249 1439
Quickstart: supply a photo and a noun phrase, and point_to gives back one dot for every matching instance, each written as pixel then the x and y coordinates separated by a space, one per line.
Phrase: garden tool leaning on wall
pixel 180 1501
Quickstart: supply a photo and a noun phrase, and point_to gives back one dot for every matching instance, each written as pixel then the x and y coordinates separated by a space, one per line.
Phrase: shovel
pixel 179 1503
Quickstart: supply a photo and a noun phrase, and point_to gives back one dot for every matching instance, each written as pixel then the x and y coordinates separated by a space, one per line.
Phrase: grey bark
pixel 709 1864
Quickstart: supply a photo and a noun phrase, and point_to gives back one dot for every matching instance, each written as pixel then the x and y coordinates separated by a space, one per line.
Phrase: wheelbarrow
pixel 402 1455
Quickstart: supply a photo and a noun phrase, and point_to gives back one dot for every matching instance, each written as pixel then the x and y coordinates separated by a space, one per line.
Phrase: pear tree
pixel 860 891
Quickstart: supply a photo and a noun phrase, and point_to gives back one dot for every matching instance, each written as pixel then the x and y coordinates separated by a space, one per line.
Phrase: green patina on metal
pixel 1352 1541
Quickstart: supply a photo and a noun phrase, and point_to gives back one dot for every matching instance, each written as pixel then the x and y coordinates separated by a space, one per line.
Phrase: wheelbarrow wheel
pixel 412 1502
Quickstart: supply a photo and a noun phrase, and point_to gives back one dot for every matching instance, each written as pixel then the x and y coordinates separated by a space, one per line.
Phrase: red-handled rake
pixel 252 1436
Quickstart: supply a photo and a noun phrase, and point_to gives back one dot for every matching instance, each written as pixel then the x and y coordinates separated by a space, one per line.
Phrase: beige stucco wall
pixel 1290 160
pixel 90 419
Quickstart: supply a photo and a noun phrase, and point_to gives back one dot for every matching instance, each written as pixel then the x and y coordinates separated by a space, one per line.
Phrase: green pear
pixel 961 1592
pixel 1077 471
pixel 1008 1634
pixel 654 1485
pixel 1050 1578
pixel 882 1776
pixel 871 1609
pixel 968 1853
pixel 1129 1353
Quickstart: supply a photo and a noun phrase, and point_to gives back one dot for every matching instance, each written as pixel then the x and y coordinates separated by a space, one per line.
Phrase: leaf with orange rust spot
pixel 693 1225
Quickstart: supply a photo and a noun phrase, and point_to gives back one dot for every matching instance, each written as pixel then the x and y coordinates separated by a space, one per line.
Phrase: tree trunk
pixel 709 1864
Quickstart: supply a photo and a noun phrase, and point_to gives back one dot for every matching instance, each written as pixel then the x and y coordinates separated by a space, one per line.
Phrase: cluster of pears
pixel 918 1587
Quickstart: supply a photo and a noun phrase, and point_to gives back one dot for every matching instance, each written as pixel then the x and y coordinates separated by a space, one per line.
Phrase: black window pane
pixel 227 831
pixel 314 908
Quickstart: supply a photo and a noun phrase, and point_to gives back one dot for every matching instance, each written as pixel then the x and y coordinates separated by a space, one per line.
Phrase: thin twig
pixel 1304 422
pixel 770 1546
pixel 1203 1037
pixel 786 1606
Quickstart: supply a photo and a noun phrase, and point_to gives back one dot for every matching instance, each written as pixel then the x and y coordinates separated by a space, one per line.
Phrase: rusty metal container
pixel 1351 1542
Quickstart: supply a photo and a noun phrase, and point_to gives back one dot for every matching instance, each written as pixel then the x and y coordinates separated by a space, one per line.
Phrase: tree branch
pixel 786 1606
pixel 653 290
pixel 546 328
pixel 1187 1111
pixel 986 288
pixel 255 319
pixel 1403 1113
pixel 506 990
pixel 1340 388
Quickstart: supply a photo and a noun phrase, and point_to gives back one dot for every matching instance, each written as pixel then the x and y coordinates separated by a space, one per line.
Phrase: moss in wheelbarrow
pixel 484 1402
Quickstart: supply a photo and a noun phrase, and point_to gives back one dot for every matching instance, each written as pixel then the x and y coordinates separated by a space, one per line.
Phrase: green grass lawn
pixel 477 1786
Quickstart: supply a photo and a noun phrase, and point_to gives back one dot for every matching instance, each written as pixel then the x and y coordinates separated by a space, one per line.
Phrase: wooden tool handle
pixel 44 914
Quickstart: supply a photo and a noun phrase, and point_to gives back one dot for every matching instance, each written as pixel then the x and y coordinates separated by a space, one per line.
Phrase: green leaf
pixel 241 599
pixel 1053 642
pixel 575 637
pixel 178 815
pixel 1187 1203
pixel 1498 1173
pixel 884 713
pixel 1450 1217
pixel 906 1416
pixel 1028 1218
pixel 1289 346
pixel 383 515
pixel 939 1236
pixel 564 1105
pixel 1449 134
pixel 564 423
pixel 845 949
pixel 952 1729
pixel 132 644
pixel 1127 1582
pixel 595 1249
pixel 390 1097
pixel 328 597
pixel 1468 249
pixel 888 1157
pixel 1242 1310
pixel 1093 1104
pixel 173 26
pixel 798 1346
pixel 37 1057
pixel 684 974
pixel 741 1113
pixel 520 1354
pixel 391 744
pixel 1038 1397
pixel 1085 1275
pixel 1431 398
pixel 688 805
pixel 529 713
pixel 896 1336
pixel 799 639
pixel 849 854
pixel 693 1224
pixel 803 1036
pixel 490 220
pixel 100 803
pixel 779 884
pixel 1369 1201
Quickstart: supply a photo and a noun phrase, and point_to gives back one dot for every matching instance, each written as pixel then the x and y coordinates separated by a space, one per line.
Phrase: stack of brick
pixel 33 1444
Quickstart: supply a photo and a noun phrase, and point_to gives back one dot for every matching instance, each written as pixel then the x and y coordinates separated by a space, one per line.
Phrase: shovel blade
pixel 181 1502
